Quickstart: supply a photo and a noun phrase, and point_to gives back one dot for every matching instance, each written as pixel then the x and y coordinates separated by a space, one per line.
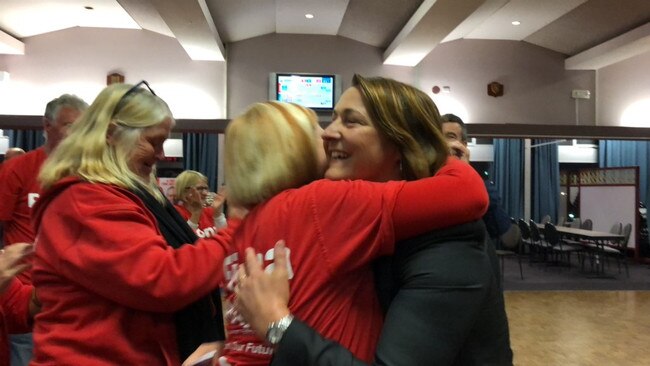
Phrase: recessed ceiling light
pixel 89 8
pixel 516 22
pixel 309 16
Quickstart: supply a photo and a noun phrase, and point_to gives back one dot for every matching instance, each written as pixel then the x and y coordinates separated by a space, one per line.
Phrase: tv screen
pixel 316 91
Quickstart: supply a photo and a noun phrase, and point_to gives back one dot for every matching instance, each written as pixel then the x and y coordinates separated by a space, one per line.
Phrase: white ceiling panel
pixel 328 15
pixel 533 15
pixel 22 18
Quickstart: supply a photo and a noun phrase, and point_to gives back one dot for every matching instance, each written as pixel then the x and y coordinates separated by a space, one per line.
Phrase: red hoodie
pixel 108 281
pixel 14 315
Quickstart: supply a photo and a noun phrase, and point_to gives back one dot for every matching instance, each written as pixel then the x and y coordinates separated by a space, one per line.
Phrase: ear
pixel 46 123
pixel 110 140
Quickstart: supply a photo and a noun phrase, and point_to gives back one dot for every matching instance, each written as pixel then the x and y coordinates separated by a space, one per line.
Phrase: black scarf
pixel 201 321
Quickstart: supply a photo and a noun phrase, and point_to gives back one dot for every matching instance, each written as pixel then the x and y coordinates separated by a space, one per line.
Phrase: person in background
pixel 19 190
pixel 447 308
pixel 171 195
pixel 204 217
pixel 12 152
pixel 496 219
pixel 121 277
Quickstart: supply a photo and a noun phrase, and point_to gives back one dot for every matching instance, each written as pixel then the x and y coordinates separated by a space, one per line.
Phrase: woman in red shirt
pixel 204 216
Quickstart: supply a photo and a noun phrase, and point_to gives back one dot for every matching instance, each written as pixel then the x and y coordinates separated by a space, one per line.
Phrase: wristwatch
pixel 276 330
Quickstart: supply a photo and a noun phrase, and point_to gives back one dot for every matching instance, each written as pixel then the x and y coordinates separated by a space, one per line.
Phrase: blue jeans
pixel 22 348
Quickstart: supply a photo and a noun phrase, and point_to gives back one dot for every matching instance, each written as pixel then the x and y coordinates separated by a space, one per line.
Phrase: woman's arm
pixel 118 245
pixel 455 195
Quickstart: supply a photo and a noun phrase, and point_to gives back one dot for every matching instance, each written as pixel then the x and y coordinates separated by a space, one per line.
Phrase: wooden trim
pixel 490 130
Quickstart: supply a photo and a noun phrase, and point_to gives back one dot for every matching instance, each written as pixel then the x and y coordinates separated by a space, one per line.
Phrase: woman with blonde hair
pixel 202 210
pixel 121 277
pixel 334 230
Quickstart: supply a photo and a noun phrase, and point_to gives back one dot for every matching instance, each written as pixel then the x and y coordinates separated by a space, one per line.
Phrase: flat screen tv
pixel 317 91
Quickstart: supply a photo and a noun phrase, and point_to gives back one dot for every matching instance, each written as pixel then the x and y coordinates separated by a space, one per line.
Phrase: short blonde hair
pixel 186 180
pixel 86 153
pixel 269 148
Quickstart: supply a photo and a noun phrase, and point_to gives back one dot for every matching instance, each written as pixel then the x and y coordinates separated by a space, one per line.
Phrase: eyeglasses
pixel 199 188
pixel 135 87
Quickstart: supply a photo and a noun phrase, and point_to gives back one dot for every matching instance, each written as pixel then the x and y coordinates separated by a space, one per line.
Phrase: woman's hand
pixel 10 265
pixel 202 350
pixel 263 298
pixel 218 200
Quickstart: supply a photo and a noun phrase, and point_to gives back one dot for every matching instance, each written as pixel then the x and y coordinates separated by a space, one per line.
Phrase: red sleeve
pixel 10 188
pixel 455 195
pixel 117 252
pixel 15 304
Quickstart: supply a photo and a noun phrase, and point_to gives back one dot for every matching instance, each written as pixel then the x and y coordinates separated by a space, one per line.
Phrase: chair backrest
pixel 587 224
pixel 545 219
pixel 534 231
pixel 617 228
pixel 550 234
pixel 511 238
pixel 525 230
pixel 627 231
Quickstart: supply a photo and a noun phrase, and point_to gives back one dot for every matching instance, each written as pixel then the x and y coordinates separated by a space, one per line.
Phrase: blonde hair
pixel 186 180
pixel 121 111
pixel 269 148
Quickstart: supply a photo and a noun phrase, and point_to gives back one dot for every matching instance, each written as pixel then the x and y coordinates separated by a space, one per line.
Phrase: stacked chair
pixel 559 248
pixel 616 249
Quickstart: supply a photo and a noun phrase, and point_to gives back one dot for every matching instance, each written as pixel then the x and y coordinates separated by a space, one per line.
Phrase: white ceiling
pixel 407 30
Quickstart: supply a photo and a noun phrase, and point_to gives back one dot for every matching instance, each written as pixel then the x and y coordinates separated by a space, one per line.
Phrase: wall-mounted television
pixel 317 91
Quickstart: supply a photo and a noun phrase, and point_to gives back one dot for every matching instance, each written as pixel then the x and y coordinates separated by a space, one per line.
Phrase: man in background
pixel 19 190
pixel 496 219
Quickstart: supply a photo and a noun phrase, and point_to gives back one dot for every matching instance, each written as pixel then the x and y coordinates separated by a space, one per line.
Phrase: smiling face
pixel 149 149
pixel 354 147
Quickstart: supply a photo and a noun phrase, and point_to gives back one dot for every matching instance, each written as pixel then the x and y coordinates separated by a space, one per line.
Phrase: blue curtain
pixel 509 174
pixel 25 139
pixel 200 153
pixel 545 180
pixel 616 153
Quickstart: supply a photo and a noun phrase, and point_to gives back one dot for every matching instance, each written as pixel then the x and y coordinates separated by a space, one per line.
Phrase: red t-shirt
pixel 19 190
pixel 206 227
pixel 333 231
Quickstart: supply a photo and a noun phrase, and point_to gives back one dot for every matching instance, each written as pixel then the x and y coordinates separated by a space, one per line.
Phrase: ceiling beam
pixel 430 24
pixel 10 45
pixel 192 25
pixel 627 45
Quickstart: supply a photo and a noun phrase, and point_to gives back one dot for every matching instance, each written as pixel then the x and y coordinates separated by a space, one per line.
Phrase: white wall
pixel 77 60
pixel 623 97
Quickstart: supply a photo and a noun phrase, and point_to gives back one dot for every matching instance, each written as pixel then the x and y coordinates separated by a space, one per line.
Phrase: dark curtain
pixel 545 179
pixel 509 174
pixel 617 153
pixel 25 139
pixel 200 153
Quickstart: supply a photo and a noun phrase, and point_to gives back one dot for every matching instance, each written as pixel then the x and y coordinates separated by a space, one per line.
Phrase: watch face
pixel 274 335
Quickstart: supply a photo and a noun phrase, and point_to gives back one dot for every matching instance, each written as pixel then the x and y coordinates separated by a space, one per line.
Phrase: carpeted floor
pixel 544 277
